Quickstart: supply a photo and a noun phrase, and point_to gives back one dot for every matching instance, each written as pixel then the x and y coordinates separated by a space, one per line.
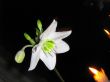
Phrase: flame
pixel 99 76
pixel 107 32
pixel 93 70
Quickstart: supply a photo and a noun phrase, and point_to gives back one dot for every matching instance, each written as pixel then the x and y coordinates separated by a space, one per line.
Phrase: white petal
pixel 61 46
pixel 60 35
pixel 35 57
pixel 49 30
pixel 49 60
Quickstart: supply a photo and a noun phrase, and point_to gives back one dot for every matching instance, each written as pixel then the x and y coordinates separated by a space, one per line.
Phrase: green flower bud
pixel 39 24
pixel 20 55
pixel 29 38
pixel 37 32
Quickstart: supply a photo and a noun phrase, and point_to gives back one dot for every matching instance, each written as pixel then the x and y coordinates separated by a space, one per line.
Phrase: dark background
pixel 90 46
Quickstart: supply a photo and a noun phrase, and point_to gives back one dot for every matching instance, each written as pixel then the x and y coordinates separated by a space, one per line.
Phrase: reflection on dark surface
pixel 89 44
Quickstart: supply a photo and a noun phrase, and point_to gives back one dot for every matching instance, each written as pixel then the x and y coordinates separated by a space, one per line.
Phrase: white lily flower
pixel 50 44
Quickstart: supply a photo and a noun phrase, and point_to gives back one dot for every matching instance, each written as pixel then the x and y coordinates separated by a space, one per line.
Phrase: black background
pixel 89 45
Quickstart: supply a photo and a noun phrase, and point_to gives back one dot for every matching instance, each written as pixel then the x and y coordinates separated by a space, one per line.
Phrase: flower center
pixel 48 45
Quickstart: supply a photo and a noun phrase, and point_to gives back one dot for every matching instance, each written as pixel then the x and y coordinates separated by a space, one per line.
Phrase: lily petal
pixel 61 46
pixel 60 35
pixel 49 30
pixel 35 57
pixel 49 60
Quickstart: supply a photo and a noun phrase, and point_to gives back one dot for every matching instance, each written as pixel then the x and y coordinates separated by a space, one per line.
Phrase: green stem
pixel 58 74
pixel 27 46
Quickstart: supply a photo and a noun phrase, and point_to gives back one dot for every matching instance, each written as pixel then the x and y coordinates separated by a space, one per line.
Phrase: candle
pixel 107 32
pixel 99 76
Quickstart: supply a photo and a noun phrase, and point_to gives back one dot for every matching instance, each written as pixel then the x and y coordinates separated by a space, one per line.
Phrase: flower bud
pixel 20 55
pixel 39 24
pixel 29 39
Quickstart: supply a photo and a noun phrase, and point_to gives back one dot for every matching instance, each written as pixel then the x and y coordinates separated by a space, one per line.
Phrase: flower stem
pixel 58 74
pixel 27 46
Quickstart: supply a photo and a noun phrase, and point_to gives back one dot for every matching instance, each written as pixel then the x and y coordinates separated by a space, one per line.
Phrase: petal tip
pixel 30 69
pixel 70 31
pixel 51 68
pixel 54 21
